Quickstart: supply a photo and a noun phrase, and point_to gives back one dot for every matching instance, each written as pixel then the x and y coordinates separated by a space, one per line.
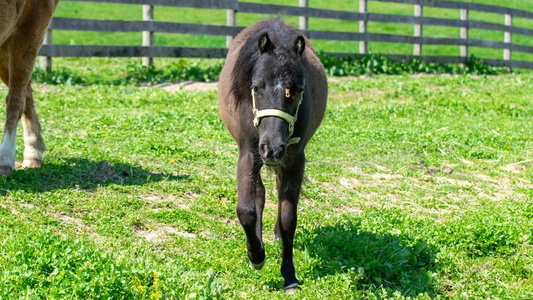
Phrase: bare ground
pixel 188 86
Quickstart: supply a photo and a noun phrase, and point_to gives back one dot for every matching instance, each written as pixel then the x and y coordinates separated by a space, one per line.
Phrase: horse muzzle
pixel 272 155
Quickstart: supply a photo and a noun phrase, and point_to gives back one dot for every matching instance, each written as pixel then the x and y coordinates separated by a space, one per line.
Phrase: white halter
pixel 271 112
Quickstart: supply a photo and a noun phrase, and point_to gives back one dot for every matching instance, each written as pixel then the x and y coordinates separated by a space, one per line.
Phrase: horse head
pixel 277 92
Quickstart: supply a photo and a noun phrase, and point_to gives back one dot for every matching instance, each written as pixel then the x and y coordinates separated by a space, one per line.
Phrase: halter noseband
pixel 272 112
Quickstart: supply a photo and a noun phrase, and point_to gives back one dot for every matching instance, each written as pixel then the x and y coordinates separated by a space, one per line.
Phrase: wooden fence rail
pixel 148 27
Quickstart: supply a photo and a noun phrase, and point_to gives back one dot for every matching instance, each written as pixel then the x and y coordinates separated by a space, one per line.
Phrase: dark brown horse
pixel 272 95
pixel 22 27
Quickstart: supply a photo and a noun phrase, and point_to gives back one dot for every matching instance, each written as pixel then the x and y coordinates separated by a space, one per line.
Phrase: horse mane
pixel 279 32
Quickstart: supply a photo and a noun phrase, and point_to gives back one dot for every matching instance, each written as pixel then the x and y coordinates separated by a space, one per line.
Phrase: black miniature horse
pixel 272 96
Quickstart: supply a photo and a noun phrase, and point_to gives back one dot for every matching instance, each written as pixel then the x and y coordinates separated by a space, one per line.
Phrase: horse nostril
pixel 263 150
pixel 280 152
pixel 272 155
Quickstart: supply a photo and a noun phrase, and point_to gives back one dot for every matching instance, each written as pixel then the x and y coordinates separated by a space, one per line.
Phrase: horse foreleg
pixel 33 141
pixel 14 108
pixel 289 182
pixel 251 194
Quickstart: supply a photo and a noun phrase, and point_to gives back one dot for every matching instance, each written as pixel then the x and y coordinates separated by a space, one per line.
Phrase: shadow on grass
pixel 370 261
pixel 83 174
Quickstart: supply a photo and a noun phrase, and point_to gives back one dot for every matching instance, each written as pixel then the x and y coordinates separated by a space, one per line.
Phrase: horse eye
pixel 255 89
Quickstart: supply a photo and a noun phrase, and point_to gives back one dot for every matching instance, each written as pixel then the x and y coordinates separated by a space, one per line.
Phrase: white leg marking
pixel 7 152
pixel 33 157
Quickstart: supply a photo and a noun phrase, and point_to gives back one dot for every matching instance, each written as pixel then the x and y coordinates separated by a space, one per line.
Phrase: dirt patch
pixel 350 182
pixel 386 176
pixel 44 88
pixel 75 225
pixel 184 202
pixel 516 167
pixel 188 86
pixel 161 234
pixel 452 181
pixel 10 209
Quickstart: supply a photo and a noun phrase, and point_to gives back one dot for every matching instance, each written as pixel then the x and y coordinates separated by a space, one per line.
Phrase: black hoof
pixel 291 288
pixel 258 266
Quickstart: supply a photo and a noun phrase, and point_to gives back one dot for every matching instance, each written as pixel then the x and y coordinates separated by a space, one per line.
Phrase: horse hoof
pixel 258 266
pixel 291 288
pixel 6 170
pixel 31 163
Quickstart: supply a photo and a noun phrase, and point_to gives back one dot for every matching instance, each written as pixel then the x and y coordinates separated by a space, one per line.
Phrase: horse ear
pixel 265 44
pixel 299 45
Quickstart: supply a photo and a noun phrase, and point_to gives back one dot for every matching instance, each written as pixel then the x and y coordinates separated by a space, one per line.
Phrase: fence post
pixel 417 30
pixel 231 16
pixel 363 9
pixel 148 36
pixel 303 20
pixel 46 61
pixel 464 35
pixel 508 38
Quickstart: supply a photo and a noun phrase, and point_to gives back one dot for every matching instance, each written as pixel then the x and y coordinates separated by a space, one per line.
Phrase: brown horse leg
pixel 289 182
pixel 18 56
pixel 33 141
pixel 13 110
pixel 251 194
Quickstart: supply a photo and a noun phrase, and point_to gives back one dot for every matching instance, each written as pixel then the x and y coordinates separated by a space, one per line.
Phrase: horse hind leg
pixel 33 141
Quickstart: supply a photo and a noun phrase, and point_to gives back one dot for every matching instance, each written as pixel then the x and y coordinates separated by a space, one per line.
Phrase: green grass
pixel 218 17
pixel 418 187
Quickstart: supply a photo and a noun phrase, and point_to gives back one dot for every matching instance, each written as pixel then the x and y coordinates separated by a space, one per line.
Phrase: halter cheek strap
pixel 270 112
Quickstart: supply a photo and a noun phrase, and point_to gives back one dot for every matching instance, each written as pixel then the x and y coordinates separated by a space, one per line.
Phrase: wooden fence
pixel 148 26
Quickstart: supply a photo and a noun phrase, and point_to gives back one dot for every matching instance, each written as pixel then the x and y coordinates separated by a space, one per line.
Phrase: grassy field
pixel 130 12
pixel 417 187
